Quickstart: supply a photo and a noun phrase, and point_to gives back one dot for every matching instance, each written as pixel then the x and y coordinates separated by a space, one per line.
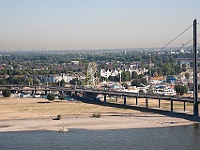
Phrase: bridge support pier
pixel 116 98
pixel 104 98
pixel 184 106
pixel 14 92
pixel 147 103
pixel 159 103
pixel 172 106
pixel 136 101
pixel 33 92
pixel 70 94
pixel 124 100
pixel 83 95
pixel 60 92
pixel 75 95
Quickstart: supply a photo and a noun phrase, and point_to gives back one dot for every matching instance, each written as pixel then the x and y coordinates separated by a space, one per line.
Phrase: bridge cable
pixel 187 43
pixel 189 46
pixel 176 37
pixel 184 45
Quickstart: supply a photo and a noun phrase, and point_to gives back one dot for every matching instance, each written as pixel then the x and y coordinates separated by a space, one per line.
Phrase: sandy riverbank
pixel 86 122
pixel 19 114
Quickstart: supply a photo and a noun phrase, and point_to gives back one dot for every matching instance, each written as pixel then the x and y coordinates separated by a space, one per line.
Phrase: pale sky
pixel 94 24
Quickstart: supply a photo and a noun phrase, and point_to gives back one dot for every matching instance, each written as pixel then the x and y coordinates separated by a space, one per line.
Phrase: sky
pixel 95 24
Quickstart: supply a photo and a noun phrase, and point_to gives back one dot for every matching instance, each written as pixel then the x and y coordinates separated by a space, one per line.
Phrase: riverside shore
pixel 22 114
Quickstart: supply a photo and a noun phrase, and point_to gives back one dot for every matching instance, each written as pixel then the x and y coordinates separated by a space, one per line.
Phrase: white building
pixel 56 77
pixel 108 72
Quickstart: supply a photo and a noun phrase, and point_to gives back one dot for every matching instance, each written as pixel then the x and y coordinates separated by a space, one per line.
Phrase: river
pixel 165 138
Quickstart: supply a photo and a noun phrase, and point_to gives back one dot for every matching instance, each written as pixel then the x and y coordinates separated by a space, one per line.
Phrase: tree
pixel 184 68
pixel 114 78
pixel 104 79
pixel 6 93
pixel 143 81
pixel 62 82
pixel 150 90
pixel 177 69
pixel 52 71
pixel 141 92
pixel 82 82
pixel 62 97
pixel 124 84
pixel 50 96
pixel 125 75
pixel 73 81
pixel 3 81
pixel 180 89
pixel 187 75
pixel 136 82
pixel 36 81
pixel 134 75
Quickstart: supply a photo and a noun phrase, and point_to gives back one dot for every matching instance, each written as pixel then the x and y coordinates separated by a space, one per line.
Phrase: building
pixel 108 72
pixel 75 62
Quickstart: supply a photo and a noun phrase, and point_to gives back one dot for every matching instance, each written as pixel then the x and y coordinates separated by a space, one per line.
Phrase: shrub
pixel 62 97
pixel 51 97
pixel 136 82
pixel 6 93
pixel 141 92
pixel 181 89
pixel 97 115
pixel 58 117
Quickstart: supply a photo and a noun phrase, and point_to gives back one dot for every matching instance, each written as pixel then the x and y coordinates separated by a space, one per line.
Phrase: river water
pixel 166 138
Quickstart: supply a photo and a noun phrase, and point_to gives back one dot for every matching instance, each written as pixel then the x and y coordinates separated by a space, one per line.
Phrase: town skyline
pixel 82 25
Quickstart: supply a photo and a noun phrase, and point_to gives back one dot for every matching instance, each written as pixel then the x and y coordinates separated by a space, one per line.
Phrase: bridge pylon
pixel 195 70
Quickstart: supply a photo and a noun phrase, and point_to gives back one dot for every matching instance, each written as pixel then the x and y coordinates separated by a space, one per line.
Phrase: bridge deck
pixel 113 93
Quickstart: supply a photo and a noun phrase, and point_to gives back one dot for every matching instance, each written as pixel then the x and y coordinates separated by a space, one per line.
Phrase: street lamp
pixel 120 76
pixel 57 80
pixel 47 80
pixel 149 67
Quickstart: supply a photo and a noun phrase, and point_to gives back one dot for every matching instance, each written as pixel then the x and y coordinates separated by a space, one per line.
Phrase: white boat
pixel 131 91
pixel 37 96
pixel 165 92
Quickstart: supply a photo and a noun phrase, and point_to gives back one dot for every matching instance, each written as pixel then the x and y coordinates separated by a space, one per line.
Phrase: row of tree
pixel 162 64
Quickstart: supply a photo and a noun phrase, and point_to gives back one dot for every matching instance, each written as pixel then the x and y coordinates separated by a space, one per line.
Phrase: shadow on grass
pixel 43 102
pixel 142 109
pixel 55 119
pixel 57 101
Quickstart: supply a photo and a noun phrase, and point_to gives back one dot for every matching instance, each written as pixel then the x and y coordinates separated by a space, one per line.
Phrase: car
pixel 69 98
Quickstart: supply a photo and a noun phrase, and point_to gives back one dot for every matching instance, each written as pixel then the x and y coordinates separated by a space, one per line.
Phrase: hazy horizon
pixel 99 24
